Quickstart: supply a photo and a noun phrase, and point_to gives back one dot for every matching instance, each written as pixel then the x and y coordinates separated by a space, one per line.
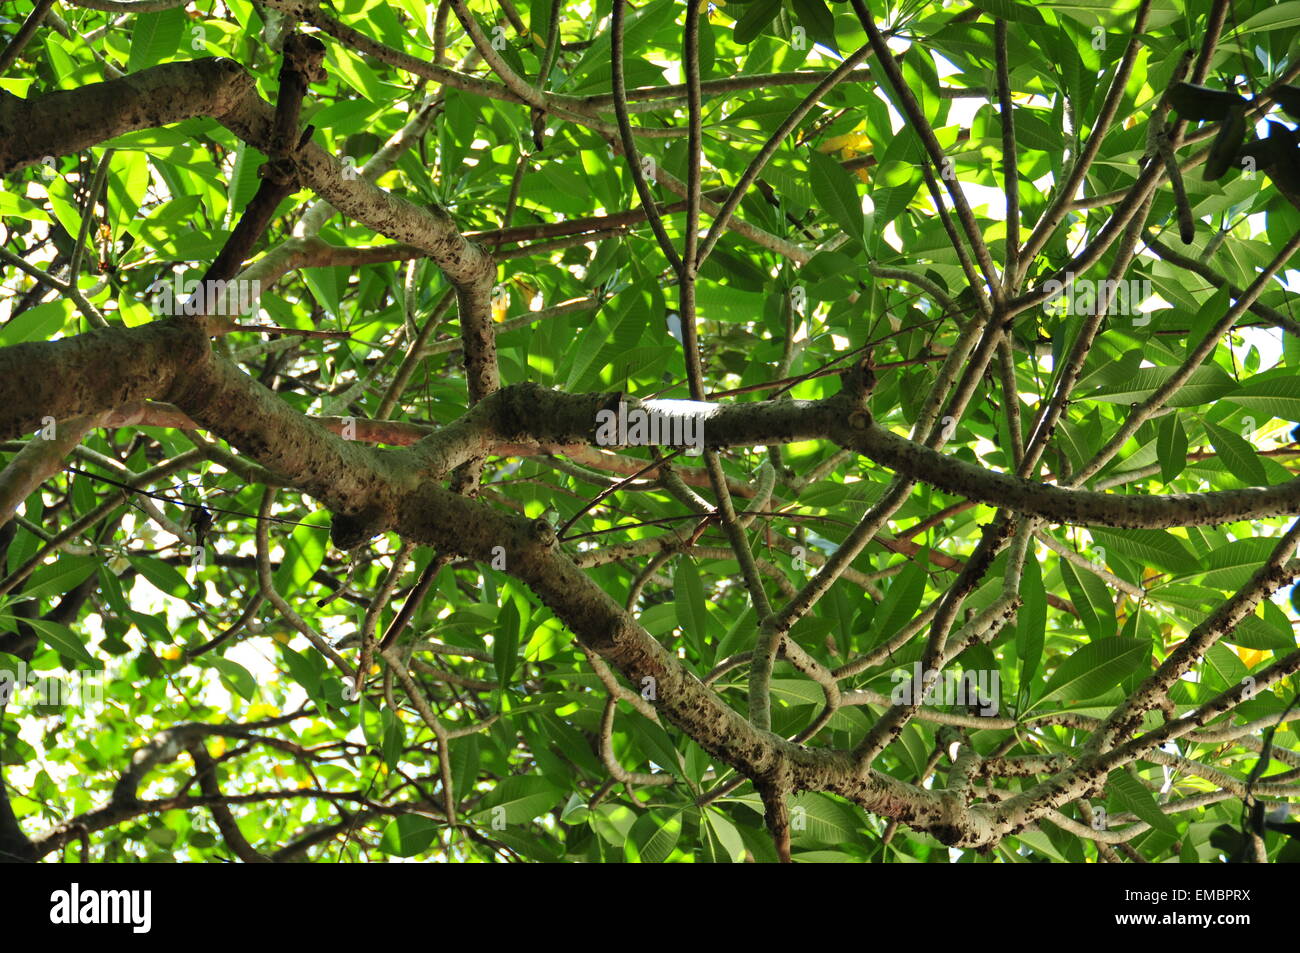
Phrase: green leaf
pixel 128 184
pixel 823 820
pixel 243 181
pixel 1282 16
pixel 1092 598
pixel 729 846
pixel 655 744
pixel 824 857
pixel 324 285
pixel 1157 548
pixel 394 739
pixel 797 691
pixel 350 68
pixel 1095 669
pixel 1041 844
pixel 302 669
pixel 59 577
pixel 901 601
pixel 1031 620
pixel 63 202
pixel 837 194
pixel 612 822
pixel 36 324
pixel 617 327
pixel 61 63
pixel 505 642
pixel 1171 447
pixel 519 798
pixel 152 627
pixel 65 641
pixel 1035 133
pixel 815 17
pixel 1271 633
pixel 1224 662
pixel 304 551
pixel 740 633
pixel 1129 796
pixel 891 202
pixel 1237 455
pixel 1230 566
pixel 155 37
pixel 688 597
pixel 16 206
pixel 695 762
pixel 754 20
pixel 163 576
pixel 1271 397
pixel 1205 385
pixel 239 679
pixel 575 810
pixel 1209 314
pixel 724 302
pixel 464 764
pixel 372 723
pixel 653 837
pixel 1010 10
pixel 409 835
pixel 639 30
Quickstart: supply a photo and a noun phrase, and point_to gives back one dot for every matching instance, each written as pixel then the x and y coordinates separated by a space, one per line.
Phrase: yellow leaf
pixel 856 141
pixel 279 771
pixel 218 747
pixel 1250 657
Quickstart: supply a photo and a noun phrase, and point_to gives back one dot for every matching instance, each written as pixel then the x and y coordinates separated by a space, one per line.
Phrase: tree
pixel 466 431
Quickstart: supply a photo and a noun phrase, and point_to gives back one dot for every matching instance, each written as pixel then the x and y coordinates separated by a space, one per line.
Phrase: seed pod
pixel 1156 125
pixel 1186 223
pixel 1285 167
pixel 1200 102
pixel 1288 97
pixel 1287 139
pixel 1260 152
pixel 1223 153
